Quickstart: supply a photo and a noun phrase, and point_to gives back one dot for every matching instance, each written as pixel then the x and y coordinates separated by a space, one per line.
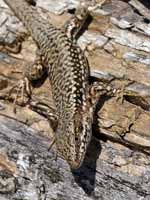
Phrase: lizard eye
pixel 79 129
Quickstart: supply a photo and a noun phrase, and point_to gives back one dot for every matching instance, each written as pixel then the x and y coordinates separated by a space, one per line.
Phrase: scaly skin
pixel 68 73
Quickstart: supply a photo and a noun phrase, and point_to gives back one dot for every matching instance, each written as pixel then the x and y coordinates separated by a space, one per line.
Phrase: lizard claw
pixel 98 89
pixel 52 143
pixel 23 87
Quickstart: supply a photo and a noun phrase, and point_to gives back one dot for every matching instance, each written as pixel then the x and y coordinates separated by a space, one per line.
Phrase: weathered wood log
pixel 117 165
pixel 28 171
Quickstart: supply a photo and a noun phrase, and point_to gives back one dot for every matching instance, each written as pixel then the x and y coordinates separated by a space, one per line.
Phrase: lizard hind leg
pixel 99 89
pixel 33 76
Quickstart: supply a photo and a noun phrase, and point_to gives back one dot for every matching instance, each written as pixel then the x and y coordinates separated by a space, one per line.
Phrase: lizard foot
pixel 98 89
pixel 52 143
pixel 23 87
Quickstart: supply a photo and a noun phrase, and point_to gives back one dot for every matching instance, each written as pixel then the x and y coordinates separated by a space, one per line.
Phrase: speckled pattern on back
pixel 68 73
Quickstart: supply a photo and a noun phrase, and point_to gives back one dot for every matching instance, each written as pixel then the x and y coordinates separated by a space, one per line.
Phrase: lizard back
pixel 68 73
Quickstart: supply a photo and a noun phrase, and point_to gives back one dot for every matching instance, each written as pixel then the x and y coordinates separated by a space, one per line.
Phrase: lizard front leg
pixel 50 113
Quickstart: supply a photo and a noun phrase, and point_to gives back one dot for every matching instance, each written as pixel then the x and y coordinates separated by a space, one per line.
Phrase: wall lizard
pixel 68 72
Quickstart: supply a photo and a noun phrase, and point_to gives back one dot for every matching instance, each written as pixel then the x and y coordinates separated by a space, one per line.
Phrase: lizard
pixel 68 71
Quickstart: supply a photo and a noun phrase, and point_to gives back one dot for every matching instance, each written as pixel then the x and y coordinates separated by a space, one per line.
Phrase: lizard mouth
pixel 75 165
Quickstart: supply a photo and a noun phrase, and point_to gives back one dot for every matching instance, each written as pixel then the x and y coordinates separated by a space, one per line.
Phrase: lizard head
pixel 74 137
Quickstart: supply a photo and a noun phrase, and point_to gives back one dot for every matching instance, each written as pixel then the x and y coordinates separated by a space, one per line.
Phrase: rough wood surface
pixel 117 45
pixel 142 9
pixel 29 171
